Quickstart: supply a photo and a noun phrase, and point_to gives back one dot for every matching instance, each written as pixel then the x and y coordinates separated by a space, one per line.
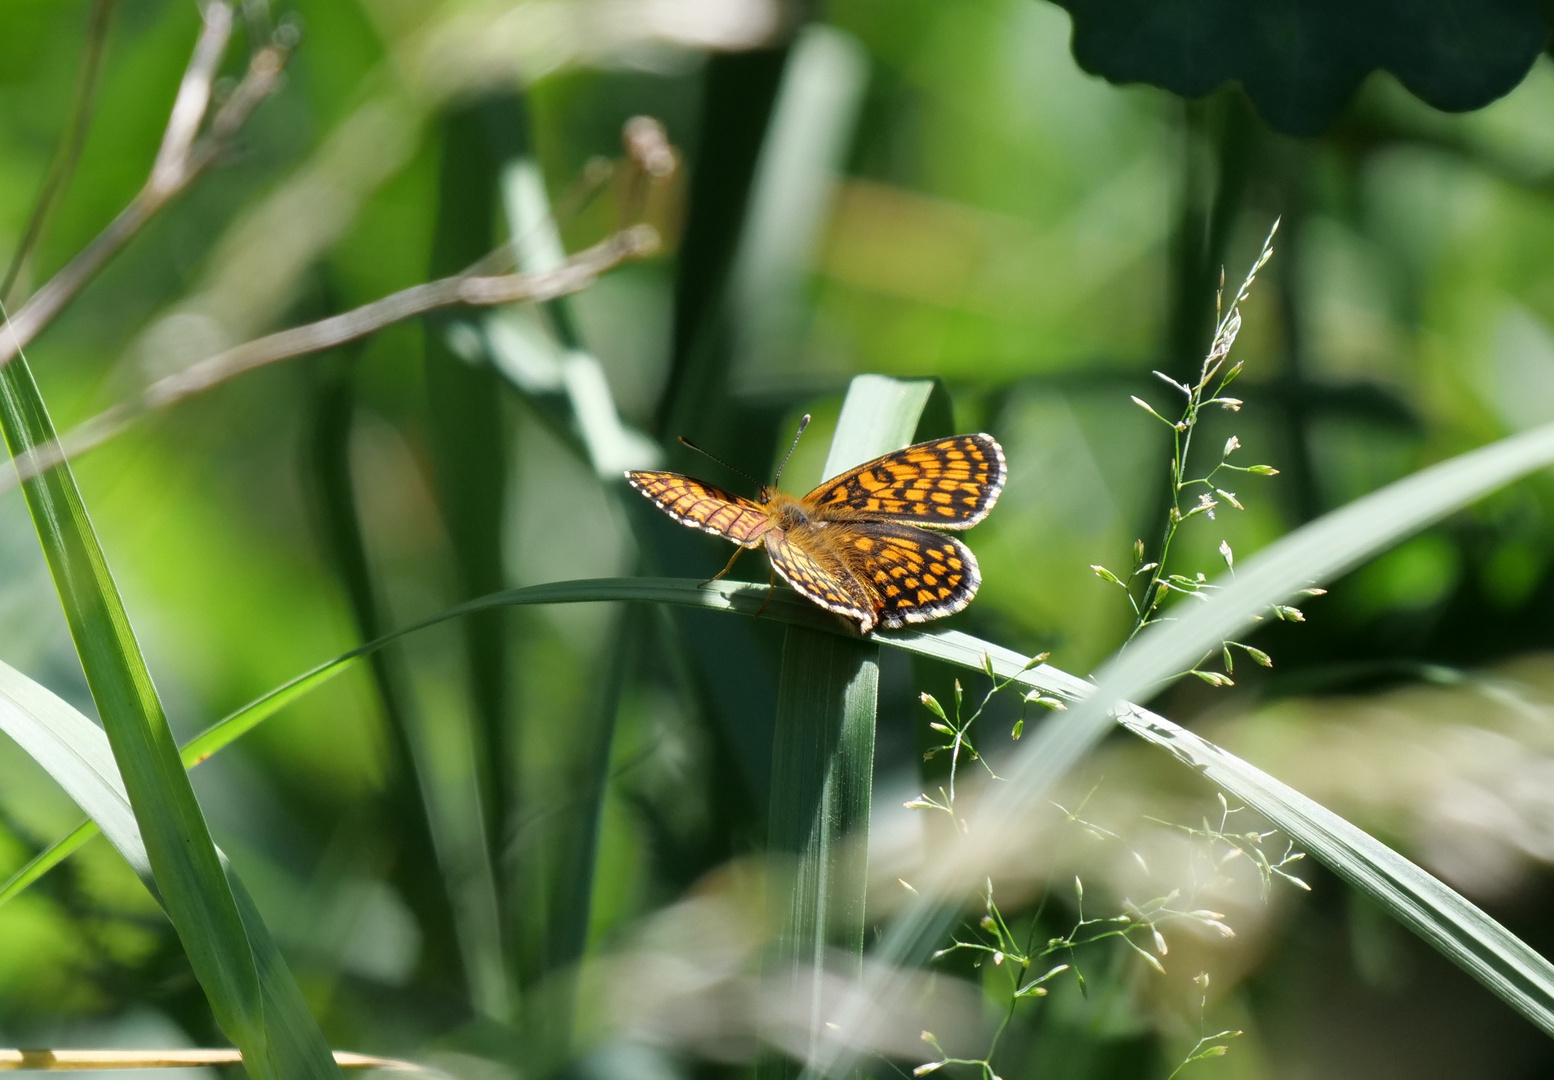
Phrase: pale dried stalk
pixel 68 152
pixel 476 290
pixel 181 158
pixel 75 1060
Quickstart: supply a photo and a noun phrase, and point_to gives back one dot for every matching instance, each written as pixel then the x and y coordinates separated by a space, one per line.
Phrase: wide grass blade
pixel 822 786
pixel 823 742
pixel 189 875
pixel 77 754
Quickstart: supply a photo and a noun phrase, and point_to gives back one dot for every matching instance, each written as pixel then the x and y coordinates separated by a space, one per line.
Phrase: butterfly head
pixel 766 491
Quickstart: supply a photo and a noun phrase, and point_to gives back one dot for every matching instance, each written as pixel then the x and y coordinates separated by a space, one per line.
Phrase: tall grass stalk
pixel 246 982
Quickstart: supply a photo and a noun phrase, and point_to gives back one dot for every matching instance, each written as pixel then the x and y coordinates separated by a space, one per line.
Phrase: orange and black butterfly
pixel 859 543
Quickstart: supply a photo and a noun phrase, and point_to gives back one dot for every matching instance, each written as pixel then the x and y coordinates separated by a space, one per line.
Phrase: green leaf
pixel 189 875
pixel 1300 62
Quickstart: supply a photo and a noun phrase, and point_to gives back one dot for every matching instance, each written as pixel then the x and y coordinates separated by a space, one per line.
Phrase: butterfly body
pixel 859 544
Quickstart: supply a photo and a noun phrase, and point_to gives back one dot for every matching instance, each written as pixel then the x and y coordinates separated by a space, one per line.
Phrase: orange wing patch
pixel 704 507
pixel 914 575
pixel 942 483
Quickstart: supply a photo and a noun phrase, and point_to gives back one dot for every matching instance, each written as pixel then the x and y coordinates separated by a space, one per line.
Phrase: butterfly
pixel 859 544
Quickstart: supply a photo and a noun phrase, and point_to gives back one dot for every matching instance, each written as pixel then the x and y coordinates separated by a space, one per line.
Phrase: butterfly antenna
pixel 687 442
pixel 804 423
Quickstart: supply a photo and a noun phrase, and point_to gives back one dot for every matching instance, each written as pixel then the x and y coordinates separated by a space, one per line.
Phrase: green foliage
pixel 522 821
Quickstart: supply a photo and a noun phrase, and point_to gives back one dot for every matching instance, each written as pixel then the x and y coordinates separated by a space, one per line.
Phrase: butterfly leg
pixel 771 587
pixel 738 551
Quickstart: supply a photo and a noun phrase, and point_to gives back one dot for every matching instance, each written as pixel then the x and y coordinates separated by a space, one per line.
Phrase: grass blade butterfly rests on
pixel 823 747
pixel 1444 918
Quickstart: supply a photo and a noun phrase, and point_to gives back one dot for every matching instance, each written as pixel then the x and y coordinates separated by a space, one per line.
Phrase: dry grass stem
pixel 79 1060
pixel 183 156
pixel 576 274
pixel 71 142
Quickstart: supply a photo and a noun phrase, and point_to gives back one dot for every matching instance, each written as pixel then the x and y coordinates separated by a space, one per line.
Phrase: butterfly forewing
pixel 704 507
pixel 947 483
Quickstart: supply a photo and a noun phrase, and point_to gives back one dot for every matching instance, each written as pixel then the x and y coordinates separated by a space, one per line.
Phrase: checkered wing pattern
pixel 913 575
pixel 818 574
pixel 704 507
pixel 943 483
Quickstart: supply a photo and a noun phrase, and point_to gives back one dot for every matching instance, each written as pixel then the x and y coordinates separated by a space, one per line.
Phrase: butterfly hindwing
pixel 704 507
pixel 914 575
pixel 949 483
pixel 819 574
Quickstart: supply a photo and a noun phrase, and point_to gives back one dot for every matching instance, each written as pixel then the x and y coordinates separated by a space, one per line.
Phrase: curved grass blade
pixel 77 755
pixel 1327 547
pixel 1445 919
pixel 1308 556
pixel 191 880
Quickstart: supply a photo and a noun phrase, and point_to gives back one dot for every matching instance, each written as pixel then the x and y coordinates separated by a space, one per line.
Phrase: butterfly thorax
pixel 787 512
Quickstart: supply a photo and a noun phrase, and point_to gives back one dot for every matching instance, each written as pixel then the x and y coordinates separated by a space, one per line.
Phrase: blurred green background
pixel 917 188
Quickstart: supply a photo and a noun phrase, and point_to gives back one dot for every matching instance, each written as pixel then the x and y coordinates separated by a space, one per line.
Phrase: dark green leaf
pixel 1300 60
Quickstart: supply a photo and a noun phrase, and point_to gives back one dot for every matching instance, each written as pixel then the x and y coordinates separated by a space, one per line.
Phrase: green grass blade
pixel 1309 556
pixel 1445 919
pixel 822 785
pixel 403 806
pixel 738 96
pixel 77 754
pixel 881 414
pixel 47 859
pixel 191 880
pixel 469 448
pixel 720 596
